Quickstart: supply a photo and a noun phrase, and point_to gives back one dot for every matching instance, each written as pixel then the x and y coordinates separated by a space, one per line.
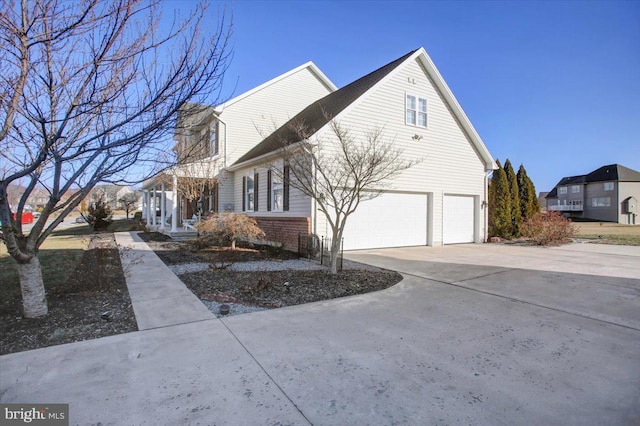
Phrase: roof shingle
pixel 319 113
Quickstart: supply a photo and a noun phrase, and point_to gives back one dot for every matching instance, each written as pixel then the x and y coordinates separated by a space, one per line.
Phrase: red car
pixel 27 217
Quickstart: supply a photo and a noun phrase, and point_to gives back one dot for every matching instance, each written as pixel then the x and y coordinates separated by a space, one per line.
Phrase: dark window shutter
pixel 215 197
pixel 285 189
pixel 255 192
pixel 244 193
pixel 268 190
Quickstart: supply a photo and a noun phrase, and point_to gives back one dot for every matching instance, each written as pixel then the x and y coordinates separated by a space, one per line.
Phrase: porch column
pixel 174 205
pixel 163 200
pixel 154 206
pixel 147 206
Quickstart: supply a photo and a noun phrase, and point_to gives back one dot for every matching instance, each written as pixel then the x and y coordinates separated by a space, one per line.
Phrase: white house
pixel 441 200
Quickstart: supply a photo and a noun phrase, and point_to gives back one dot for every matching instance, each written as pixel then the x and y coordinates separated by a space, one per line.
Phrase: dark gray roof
pixel 319 113
pixel 612 172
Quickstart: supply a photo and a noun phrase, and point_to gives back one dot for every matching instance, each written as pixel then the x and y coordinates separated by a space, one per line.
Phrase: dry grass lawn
pixel 609 233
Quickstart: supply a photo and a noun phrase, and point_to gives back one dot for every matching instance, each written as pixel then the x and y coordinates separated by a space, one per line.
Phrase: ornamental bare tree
pixel 341 170
pixel 88 89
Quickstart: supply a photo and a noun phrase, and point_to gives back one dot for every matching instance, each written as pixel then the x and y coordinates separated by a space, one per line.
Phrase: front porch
pixel 180 234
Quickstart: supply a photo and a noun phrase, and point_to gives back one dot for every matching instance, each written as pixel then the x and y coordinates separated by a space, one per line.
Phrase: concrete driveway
pixel 480 334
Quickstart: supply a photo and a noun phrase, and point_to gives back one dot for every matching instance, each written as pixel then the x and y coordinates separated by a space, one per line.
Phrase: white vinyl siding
pixel 449 162
pixel 253 118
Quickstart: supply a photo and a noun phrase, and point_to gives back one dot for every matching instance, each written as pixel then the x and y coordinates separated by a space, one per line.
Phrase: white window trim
pixel 416 110
pixel 607 184
pixel 249 205
pixel 562 190
pixel 601 202
pixel 576 188
pixel 277 180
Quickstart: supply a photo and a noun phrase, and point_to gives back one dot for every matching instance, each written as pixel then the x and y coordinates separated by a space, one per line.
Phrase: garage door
pixel 390 220
pixel 458 219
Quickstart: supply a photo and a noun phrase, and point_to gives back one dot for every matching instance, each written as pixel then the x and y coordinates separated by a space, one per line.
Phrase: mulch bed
pixel 263 288
pixel 96 287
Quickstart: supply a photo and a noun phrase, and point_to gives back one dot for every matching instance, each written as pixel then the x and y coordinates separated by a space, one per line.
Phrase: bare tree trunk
pixel 335 251
pixel 34 300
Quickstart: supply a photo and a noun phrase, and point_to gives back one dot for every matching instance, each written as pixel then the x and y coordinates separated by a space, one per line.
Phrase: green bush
pixel 547 229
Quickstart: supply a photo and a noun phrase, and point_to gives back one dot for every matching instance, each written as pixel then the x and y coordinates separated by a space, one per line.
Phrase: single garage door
pixel 390 220
pixel 458 219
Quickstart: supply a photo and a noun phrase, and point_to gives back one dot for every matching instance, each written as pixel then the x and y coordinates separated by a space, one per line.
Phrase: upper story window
pixel 416 110
pixel 213 139
pixel 562 190
pixel 608 186
pixel 575 189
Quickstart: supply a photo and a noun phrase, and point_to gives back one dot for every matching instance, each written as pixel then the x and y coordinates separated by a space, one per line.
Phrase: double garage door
pixel 400 220
pixel 390 220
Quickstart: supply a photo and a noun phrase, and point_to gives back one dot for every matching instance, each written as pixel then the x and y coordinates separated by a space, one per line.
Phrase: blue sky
pixel 553 85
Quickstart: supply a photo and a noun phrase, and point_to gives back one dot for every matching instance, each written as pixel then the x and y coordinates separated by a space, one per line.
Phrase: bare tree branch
pixel 90 92
pixel 339 170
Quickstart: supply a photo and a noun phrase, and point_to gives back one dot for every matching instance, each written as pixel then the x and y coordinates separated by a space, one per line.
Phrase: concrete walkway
pixel 464 339
pixel 158 297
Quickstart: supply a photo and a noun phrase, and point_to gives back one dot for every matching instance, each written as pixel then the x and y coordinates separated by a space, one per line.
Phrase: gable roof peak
pixel 309 64
pixel 319 113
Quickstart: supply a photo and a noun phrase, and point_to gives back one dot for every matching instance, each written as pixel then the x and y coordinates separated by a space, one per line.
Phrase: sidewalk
pixel 184 366
pixel 158 297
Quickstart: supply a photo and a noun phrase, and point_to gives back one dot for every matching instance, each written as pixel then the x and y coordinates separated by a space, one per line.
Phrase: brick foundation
pixel 284 230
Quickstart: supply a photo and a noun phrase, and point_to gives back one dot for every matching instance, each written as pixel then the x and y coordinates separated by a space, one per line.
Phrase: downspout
pixel 485 203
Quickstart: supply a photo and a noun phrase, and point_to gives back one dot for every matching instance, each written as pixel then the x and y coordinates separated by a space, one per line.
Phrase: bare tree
pixel 340 171
pixel 129 202
pixel 88 89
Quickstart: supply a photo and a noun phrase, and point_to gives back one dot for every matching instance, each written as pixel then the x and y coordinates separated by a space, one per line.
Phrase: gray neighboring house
pixel 609 194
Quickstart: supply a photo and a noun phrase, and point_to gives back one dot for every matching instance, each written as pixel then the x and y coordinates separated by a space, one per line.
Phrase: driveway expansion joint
pixel 265 371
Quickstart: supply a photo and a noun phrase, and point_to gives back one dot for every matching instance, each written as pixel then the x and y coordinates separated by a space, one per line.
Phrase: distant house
pixel 111 194
pixel 609 194
pixel 439 201
pixel 542 201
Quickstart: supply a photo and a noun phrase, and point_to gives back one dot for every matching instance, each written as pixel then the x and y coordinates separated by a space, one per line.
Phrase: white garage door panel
pixel 458 219
pixel 390 220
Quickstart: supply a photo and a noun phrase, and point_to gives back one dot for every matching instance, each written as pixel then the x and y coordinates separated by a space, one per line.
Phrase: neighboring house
pixel 610 194
pixel 441 200
pixel 111 194
pixel 542 201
